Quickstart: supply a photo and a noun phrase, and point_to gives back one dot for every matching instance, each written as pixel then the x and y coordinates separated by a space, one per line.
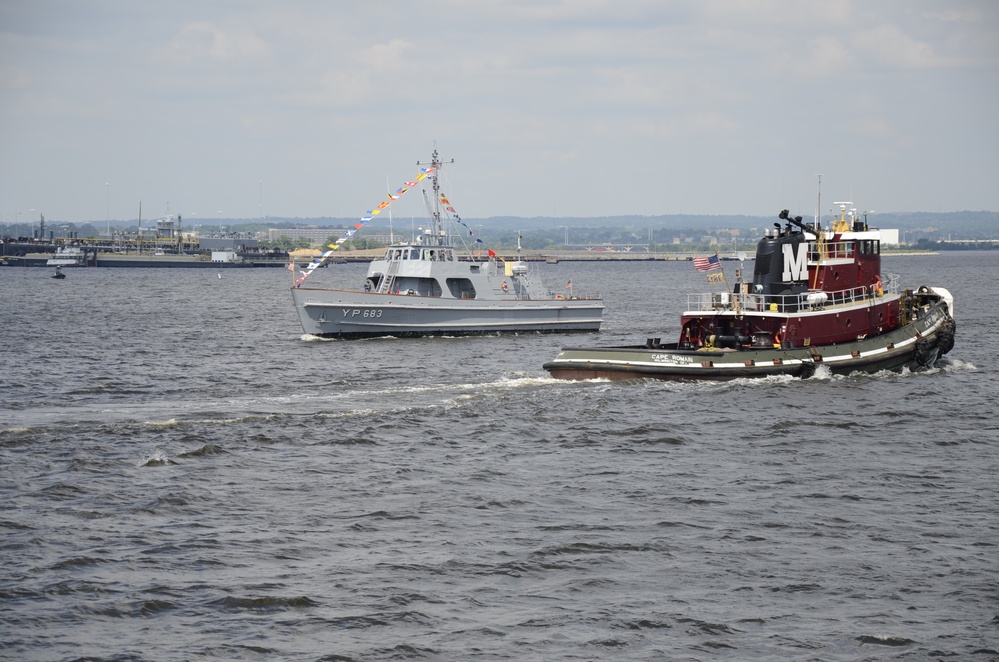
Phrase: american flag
pixel 707 263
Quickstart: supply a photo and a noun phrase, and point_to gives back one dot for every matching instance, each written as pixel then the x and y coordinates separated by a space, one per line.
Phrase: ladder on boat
pixel 389 280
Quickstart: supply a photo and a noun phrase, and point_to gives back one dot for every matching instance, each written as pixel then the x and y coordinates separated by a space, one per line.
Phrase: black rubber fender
pixel 926 352
pixel 945 336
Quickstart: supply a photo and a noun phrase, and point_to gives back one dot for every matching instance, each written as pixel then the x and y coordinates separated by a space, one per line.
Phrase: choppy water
pixel 184 476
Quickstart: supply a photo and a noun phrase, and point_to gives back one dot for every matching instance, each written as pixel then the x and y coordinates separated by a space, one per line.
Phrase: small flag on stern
pixel 568 285
pixel 716 278
pixel 707 263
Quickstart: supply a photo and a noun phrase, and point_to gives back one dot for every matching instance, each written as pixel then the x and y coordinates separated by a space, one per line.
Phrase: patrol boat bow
pixel 424 289
pixel 817 298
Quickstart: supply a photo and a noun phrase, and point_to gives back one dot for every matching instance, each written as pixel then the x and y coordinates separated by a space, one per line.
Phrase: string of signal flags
pixel 372 213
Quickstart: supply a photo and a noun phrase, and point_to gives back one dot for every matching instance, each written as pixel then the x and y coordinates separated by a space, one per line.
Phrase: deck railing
pixel 802 301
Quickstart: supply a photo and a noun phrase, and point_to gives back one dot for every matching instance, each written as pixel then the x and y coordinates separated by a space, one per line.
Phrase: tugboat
pixel 424 289
pixel 817 298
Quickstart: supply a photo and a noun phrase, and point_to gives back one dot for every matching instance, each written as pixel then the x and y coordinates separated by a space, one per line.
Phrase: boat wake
pixel 949 364
pixel 326 403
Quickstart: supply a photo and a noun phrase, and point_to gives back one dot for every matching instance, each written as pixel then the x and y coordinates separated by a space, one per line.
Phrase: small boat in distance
pixel 67 256
pixel 425 288
pixel 58 273
pixel 817 298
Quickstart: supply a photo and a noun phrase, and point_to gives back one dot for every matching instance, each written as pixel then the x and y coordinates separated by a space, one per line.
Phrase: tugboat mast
pixel 818 205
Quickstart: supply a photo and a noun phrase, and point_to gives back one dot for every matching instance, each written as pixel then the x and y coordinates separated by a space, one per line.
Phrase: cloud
pixel 201 41
pixel 220 93
pixel 823 57
pixel 889 45
pixel 13 76
pixel 391 55
pixel 873 126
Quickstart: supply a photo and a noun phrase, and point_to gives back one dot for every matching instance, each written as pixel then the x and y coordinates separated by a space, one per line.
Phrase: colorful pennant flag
pixel 371 213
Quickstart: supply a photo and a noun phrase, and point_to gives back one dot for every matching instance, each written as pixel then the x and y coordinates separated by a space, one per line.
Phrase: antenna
pixel 818 203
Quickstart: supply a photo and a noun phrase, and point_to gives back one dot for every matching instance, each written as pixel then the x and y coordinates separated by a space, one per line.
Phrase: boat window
pixel 414 254
pixel 426 287
pixel 461 288
pixel 870 247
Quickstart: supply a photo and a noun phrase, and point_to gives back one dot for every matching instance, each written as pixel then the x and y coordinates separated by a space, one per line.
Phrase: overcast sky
pixel 548 107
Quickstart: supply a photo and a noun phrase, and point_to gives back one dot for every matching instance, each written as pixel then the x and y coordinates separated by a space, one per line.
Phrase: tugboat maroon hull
pixel 916 345
pixel 817 299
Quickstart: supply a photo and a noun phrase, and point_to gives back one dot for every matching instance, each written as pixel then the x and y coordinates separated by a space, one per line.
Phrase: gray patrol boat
pixel 425 288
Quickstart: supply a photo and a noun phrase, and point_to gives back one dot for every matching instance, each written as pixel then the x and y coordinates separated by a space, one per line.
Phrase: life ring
pixel 879 289
pixel 504 286
pixel 777 339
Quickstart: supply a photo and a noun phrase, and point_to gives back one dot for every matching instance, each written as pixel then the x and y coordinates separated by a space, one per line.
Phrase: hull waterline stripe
pixel 465 325
pixel 899 348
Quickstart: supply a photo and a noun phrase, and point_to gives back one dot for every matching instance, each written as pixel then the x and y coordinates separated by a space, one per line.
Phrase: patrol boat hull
pixel 353 314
